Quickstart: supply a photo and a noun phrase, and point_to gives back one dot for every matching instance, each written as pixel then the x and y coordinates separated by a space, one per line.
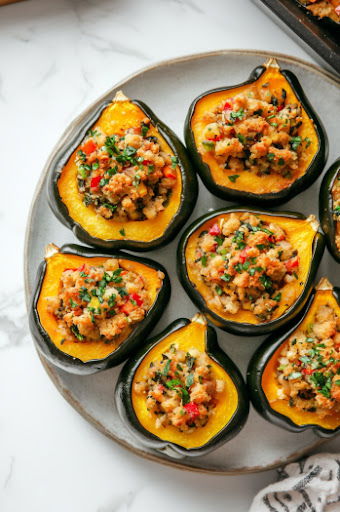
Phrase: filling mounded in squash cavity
pixel 250 268
pixel 336 208
pixel 324 8
pixel 89 306
pixel 123 181
pixel 179 393
pixel 257 137
pixel 302 379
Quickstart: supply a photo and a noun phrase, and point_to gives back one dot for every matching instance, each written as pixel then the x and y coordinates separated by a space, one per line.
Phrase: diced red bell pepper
pixel 280 107
pixel 146 162
pixel 89 147
pixel 272 239
pixel 243 254
pixel 308 371
pixel 227 106
pixel 168 172
pixel 126 308
pixel 192 410
pixel 292 263
pixel 215 230
pixel 136 298
pixel 81 268
pixel 215 138
pixel 95 181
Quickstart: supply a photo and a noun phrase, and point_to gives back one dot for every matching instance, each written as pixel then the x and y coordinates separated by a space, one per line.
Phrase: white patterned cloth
pixel 311 485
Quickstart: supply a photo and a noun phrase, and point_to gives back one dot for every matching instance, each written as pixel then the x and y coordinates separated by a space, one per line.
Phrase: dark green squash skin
pixel 271 199
pixel 256 368
pixel 326 208
pixel 124 400
pixel 137 337
pixel 189 192
pixel 245 329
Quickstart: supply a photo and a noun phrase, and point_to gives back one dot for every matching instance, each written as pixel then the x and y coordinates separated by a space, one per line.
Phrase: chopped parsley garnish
pixel 295 142
pixel 233 177
pixel 144 129
pixel 174 162
pixel 237 115
pixel 76 333
pixel 167 368
pixel 218 290
pixel 84 294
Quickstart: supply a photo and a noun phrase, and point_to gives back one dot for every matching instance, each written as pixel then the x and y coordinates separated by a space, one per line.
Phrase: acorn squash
pixel 231 410
pixel 305 238
pixel 88 357
pixel 327 212
pixel 247 185
pixel 68 203
pixel 263 386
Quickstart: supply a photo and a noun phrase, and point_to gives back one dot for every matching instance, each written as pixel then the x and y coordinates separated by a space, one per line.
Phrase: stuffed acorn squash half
pixel 181 394
pixel 123 180
pixel 329 209
pixel 259 141
pixel 250 271
pixel 294 377
pixel 90 311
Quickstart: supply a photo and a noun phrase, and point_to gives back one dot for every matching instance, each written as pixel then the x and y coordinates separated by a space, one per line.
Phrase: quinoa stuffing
pixel 324 8
pixel 256 132
pixel 245 261
pixel 125 177
pixel 308 371
pixel 336 208
pixel 99 303
pixel 180 389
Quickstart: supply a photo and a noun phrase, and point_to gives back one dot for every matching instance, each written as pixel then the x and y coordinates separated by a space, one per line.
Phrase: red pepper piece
pixel 95 181
pixel 136 298
pixel 215 138
pixel 227 106
pixel 292 263
pixel 280 107
pixel 126 308
pixel 243 254
pixel 146 162
pixel 89 147
pixel 192 410
pixel 308 371
pixel 168 172
pixel 215 230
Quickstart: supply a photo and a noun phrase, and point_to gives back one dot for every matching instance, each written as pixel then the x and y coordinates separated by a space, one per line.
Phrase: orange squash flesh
pixel 192 335
pixel 300 233
pixel 249 181
pixel 85 350
pixel 269 383
pixel 115 119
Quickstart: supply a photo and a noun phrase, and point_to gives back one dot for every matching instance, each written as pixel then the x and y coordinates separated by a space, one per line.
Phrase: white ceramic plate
pixel 168 88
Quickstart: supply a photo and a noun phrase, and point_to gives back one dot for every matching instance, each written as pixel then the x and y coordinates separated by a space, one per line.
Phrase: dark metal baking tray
pixel 321 38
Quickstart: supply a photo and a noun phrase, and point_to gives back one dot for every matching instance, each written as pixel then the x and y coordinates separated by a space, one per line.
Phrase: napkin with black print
pixel 311 485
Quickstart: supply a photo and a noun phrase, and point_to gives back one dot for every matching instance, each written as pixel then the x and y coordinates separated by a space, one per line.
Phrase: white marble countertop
pixel 56 57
